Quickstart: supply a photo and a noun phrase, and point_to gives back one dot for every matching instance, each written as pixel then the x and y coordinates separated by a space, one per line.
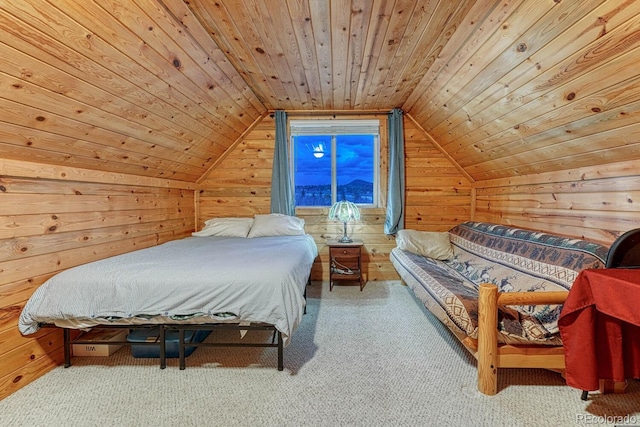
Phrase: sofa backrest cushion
pixel 555 258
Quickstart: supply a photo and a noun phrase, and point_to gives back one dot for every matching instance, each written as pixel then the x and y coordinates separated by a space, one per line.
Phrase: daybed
pixel 249 272
pixel 499 289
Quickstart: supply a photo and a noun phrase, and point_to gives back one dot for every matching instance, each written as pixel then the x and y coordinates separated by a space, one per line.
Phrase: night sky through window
pixel 354 169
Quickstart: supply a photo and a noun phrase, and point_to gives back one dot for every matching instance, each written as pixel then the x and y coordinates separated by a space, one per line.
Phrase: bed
pixel 228 278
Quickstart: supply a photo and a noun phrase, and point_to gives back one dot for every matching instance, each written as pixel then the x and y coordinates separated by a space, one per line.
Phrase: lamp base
pixel 345 238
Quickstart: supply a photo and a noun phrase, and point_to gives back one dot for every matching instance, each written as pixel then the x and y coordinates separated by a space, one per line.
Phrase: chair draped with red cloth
pixel 600 323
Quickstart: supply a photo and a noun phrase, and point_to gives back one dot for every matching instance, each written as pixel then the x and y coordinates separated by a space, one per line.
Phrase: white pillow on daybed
pixel 431 244
pixel 227 227
pixel 276 225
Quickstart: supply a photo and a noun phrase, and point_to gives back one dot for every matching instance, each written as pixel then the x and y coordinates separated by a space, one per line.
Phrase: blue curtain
pixel 395 194
pixel 282 196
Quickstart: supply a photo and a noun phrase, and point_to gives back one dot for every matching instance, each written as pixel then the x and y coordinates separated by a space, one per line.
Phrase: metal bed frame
pixel 182 343
pixel 276 339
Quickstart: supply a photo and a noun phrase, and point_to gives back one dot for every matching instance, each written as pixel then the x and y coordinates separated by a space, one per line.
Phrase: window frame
pixel 333 128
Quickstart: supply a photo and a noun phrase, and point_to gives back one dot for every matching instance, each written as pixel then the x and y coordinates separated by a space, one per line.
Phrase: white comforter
pixel 193 280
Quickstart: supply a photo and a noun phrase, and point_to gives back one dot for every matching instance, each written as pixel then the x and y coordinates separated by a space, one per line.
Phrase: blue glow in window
pixel 328 168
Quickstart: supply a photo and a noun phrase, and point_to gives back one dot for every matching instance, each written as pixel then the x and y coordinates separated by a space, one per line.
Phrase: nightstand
pixel 345 262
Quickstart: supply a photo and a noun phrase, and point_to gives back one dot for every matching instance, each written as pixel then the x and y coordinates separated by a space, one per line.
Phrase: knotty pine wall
pixel 596 203
pixel 53 218
pixel 438 196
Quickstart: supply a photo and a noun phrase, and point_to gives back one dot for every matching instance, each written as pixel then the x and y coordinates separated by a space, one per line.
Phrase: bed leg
pixel 305 294
pixel 280 352
pixel 181 349
pixel 488 339
pixel 67 347
pixel 163 349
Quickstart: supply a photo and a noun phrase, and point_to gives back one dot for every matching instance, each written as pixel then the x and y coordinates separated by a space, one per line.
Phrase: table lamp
pixel 344 211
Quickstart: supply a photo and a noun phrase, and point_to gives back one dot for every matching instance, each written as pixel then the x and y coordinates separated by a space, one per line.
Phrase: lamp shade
pixel 344 211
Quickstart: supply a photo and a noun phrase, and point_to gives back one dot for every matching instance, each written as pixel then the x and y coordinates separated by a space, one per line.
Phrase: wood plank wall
pixel 438 196
pixel 596 203
pixel 53 218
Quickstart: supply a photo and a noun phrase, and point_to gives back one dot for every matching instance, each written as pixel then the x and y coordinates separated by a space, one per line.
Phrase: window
pixel 335 160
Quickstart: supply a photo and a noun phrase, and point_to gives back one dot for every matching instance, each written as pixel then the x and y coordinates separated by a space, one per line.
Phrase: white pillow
pixel 431 244
pixel 227 227
pixel 276 225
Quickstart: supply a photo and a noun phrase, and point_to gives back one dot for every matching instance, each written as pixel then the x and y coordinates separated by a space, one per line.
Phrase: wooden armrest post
pixel 488 339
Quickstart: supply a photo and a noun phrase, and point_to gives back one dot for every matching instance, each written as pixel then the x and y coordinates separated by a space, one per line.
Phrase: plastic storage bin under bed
pixel 171 342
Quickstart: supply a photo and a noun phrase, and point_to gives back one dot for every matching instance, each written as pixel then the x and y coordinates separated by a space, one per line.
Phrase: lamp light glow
pixel 344 211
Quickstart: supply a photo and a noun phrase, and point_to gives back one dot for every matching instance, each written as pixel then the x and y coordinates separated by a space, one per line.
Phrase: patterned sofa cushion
pixel 518 260
pixel 514 260
pixel 555 258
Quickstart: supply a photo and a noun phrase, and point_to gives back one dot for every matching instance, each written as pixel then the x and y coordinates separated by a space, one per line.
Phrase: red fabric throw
pixel 600 327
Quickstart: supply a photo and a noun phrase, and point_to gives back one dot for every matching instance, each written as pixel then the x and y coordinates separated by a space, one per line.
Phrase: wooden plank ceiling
pixel 162 88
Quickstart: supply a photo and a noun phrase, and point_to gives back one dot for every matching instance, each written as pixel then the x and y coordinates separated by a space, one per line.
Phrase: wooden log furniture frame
pixel 623 253
pixel 491 355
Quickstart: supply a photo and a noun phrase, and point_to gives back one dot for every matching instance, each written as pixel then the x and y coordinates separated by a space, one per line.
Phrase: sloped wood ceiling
pixel 331 54
pixel 117 86
pixel 163 88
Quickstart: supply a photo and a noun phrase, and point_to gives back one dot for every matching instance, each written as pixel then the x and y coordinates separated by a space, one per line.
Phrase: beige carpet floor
pixel 370 358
